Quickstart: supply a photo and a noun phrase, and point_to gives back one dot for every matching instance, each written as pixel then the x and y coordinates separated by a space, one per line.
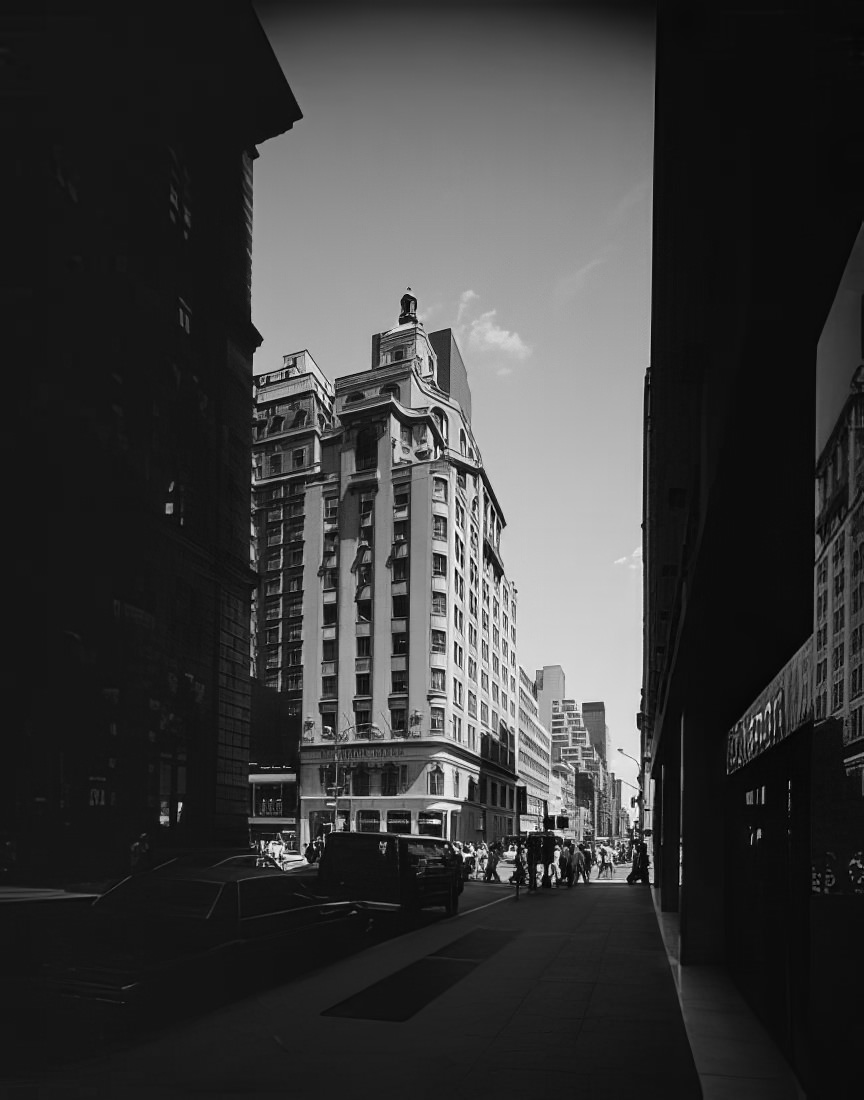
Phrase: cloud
pixel 485 334
pixel 570 286
pixel 632 561
pixel 465 299
pixel 619 213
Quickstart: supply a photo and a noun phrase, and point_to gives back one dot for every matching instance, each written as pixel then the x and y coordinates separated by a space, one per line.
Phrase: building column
pixel 703 773
pixel 667 829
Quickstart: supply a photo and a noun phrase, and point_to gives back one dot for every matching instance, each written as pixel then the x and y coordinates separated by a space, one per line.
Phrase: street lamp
pixel 635 761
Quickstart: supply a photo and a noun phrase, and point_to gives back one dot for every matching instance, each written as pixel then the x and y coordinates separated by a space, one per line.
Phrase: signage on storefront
pixel 353 753
pixel 784 706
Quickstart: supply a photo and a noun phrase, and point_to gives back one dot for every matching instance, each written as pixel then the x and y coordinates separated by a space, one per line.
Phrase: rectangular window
pixel 364 611
pixel 437 723
pixel 368 821
pixel 439 565
pixel 439 641
pixel 398 682
pixel 438 679
pixel 298 458
pixel 458 654
pixel 274 464
pixel 400 607
pixel 472 704
pixel 362 720
pixel 328 617
pixel 364 646
pixel 439 527
pixel 400 530
pixel 439 489
pixel 472 669
pixel 457 692
pixel 400 642
pixel 400 569
pixel 364 682
pixel 484 714
pixel 328 687
pixel 439 603
pixel 398 720
pixel 436 780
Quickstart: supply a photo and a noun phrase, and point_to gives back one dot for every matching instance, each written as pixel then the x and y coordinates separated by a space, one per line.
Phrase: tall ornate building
pixel 387 614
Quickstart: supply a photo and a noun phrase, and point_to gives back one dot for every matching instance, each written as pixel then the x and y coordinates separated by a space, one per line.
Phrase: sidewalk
pixel 565 992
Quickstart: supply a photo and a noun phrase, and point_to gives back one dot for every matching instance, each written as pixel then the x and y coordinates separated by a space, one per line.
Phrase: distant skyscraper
pixel 594 717
pixel 550 685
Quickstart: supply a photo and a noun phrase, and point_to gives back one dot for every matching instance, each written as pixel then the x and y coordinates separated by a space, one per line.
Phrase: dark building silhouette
pixel 132 132
pixel 757 203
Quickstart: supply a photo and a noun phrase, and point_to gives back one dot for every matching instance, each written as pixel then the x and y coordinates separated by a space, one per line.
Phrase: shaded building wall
pixel 129 278
pixel 739 302
pixel 452 374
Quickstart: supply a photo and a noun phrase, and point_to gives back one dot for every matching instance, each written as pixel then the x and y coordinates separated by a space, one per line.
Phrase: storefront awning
pixel 438 806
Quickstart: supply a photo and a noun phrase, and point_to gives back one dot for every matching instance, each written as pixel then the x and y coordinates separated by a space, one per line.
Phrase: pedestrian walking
pixel 583 869
pixel 491 874
pixel 565 865
pixel 482 860
pixel 641 863
pixel 139 854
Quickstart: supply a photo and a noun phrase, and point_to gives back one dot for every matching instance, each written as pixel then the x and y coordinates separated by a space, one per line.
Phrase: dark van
pixel 391 871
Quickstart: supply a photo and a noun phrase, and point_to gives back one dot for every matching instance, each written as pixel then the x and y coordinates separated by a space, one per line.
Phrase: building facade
pixel 396 621
pixel 594 719
pixel 755 836
pixel 534 755
pixel 129 268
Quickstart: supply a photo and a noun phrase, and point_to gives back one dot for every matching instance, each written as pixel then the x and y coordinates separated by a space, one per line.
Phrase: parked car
pixel 180 934
pixel 218 857
pixel 391 871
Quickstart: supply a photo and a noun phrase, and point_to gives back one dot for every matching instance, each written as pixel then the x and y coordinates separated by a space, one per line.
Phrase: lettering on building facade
pixel 352 754
pixel 784 706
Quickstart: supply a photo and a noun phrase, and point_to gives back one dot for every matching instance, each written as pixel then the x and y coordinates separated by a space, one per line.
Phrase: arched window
pixel 463 443
pixel 441 420
pixel 277 423
pixel 300 418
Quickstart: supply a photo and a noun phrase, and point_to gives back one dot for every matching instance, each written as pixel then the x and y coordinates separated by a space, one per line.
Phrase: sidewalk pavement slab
pixel 563 992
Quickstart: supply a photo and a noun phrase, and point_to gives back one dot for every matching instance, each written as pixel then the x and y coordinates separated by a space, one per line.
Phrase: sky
pixel 496 157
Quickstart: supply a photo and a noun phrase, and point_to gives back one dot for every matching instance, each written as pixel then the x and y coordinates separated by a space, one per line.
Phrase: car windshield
pixel 160 895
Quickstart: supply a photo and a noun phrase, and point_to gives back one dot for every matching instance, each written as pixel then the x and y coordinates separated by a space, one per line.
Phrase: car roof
pixel 222 873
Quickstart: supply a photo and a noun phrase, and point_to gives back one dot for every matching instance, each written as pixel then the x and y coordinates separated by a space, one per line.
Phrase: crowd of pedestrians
pixel 571 862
